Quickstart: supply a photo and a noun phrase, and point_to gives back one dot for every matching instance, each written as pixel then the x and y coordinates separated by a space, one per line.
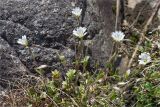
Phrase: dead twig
pixel 135 21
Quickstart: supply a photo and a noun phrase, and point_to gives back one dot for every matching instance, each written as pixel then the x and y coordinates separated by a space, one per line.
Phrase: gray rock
pixel 50 21
pixel 101 24
pixel 11 67
pixel 49 24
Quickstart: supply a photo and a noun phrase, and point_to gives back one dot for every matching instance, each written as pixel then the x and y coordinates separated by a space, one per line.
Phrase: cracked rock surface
pixel 48 25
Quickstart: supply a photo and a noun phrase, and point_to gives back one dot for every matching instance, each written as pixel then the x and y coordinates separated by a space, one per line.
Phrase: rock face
pixel 48 22
pixel 48 25
pixel 103 43
pixel 10 65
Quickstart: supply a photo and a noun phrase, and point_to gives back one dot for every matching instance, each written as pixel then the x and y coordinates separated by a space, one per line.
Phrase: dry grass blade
pixel 117 13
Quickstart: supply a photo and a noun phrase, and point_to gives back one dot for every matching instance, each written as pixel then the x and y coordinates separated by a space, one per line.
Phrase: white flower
pixel 118 36
pixel 144 58
pixel 77 11
pixel 23 41
pixel 80 32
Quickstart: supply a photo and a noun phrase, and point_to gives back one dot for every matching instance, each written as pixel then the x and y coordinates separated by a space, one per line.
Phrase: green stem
pixel 78 20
